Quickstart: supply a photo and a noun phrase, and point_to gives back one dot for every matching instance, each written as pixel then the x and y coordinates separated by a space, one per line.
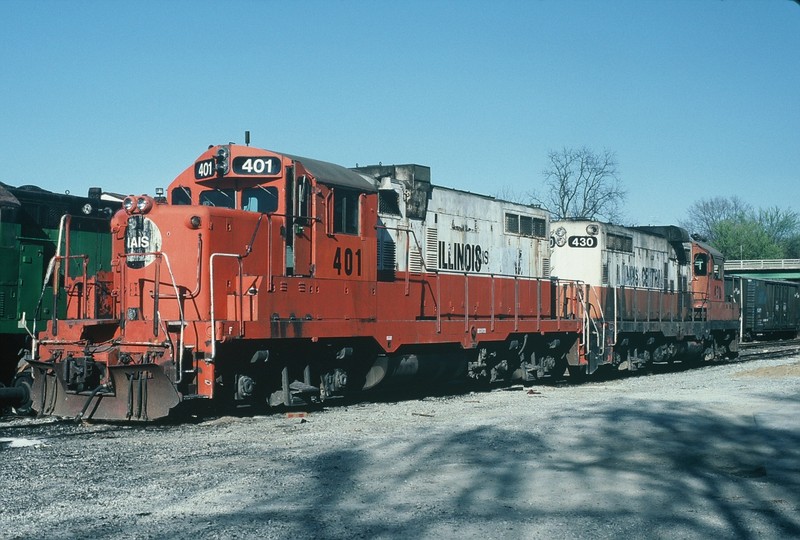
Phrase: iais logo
pixel 142 240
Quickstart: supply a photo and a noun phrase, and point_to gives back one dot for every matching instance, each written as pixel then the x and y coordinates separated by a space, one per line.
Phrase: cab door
pixel 302 227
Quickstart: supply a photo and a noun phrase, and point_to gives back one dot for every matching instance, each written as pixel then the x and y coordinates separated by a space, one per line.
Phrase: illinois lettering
pixel 462 257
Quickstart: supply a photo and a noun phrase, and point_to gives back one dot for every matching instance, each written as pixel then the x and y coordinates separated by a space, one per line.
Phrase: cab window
pixel 701 264
pixel 181 196
pixel 345 211
pixel 260 199
pixel 225 198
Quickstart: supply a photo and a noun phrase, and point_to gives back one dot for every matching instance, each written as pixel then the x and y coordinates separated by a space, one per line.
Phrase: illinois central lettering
pixel 630 276
pixel 462 257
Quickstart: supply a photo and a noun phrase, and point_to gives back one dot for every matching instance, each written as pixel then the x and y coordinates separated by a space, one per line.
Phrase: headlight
pixel 128 204
pixel 144 204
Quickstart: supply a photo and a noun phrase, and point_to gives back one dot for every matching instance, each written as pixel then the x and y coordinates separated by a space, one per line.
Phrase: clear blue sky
pixel 698 98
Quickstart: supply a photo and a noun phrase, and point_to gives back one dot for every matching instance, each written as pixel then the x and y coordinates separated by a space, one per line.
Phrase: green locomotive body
pixel 35 226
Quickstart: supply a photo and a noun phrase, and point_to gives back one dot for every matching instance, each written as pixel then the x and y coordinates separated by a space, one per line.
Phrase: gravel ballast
pixel 710 452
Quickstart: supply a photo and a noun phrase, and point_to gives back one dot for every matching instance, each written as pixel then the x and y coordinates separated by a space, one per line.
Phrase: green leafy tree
pixel 740 231
pixel 744 239
pixel 793 248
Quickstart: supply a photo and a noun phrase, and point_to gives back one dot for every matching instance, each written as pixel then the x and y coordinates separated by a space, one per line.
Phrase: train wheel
pixel 4 407
pixel 25 381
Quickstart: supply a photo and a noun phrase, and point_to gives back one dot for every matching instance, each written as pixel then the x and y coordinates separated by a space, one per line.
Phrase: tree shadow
pixel 630 469
pixel 623 468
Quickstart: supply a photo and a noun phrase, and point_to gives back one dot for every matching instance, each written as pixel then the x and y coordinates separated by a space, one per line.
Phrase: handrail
pixel 516 303
pixel 196 290
pixel 83 301
pixel 156 295
pixel 238 257
pixel 270 259
pixel 181 343
pixel 63 225
pixel 466 302
pixel 491 315
pixel 762 264
pixel 409 233
pixel 582 293
pixel 438 303
pixel 248 249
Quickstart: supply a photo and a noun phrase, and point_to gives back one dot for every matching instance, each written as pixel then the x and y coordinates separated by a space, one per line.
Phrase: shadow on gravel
pixel 649 472
pixel 626 469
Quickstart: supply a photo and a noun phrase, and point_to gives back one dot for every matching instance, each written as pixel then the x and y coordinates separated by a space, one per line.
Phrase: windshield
pixel 260 199
pixel 226 198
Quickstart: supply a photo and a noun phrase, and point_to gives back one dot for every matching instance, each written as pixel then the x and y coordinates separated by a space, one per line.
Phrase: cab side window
pixel 345 211
pixel 701 264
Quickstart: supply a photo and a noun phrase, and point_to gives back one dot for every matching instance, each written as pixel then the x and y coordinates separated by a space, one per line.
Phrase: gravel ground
pixel 711 452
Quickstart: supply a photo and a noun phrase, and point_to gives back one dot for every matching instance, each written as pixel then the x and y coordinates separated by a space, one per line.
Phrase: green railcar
pixel 35 225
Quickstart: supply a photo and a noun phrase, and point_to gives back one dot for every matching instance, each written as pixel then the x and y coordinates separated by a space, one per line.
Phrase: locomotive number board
pixel 257 166
pixel 582 241
pixel 242 165
pixel 205 169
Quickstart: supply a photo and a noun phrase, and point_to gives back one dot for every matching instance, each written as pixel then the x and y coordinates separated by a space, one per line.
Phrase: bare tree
pixel 507 193
pixel 739 231
pixel 780 224
pixel 581 184
pixel 705 214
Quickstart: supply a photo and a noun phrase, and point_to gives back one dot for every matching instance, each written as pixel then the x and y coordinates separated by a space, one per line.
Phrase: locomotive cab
pixel 708 285
pixel 710 303
pixel 307 200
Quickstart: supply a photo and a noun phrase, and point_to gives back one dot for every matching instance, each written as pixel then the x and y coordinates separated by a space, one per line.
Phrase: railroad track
pixel 768 349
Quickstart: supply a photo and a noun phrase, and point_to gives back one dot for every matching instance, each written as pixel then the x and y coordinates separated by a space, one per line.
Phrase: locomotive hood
pixel 332 174
pixel 7 199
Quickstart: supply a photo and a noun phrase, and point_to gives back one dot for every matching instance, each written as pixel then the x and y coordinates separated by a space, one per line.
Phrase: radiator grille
pixel 432 249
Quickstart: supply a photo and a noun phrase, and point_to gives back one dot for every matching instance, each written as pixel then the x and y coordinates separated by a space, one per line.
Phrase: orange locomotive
pixel 653 295
pixel 270 278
